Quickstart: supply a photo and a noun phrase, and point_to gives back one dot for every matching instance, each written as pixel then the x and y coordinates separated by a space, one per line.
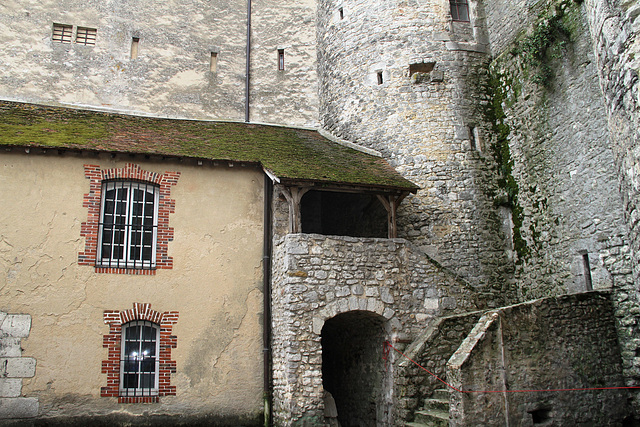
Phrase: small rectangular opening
pixel 472 138
pixel 341 12
pixel 280 59
pixel 134 47
pixel 421 67
pixel 380 79
pixel 459 10
pixel 588 285
pixel 540 416
pixel 213 64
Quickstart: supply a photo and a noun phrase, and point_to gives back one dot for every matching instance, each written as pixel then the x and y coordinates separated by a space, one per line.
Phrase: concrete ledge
pixel 18 407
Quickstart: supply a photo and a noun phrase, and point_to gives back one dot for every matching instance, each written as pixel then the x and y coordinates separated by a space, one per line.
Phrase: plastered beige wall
pixel 215 284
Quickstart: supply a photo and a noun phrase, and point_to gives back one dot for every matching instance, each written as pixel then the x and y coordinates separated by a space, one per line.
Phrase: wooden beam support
pixel 391 203
pixel 293 196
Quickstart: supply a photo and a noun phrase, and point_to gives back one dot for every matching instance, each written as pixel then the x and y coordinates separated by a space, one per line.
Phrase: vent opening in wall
pixel 588 284
pixel 62 33
pixel 341 13
pixel 86 36
pixel 135 41
pixel 379 77
pixel 539 416
pixel 280 59
pixel 421 67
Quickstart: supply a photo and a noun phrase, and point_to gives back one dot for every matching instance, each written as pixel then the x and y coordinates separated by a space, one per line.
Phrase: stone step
pixel 437 404
pixel 432 418
pixel 441 394
pixel 415 425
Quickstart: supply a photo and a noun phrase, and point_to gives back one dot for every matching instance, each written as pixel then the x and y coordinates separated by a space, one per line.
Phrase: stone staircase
pixel 434 413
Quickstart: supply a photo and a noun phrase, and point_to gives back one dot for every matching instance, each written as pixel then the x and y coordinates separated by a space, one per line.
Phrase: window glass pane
pixel 463 13
pixel 147 381
pixel 130 381
pixel 149 333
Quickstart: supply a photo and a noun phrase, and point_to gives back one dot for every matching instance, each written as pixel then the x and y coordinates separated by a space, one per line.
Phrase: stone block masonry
pixel 14 367
pixel 556 343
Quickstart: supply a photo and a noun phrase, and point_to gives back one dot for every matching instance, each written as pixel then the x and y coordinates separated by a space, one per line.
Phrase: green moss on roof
pixel 291 154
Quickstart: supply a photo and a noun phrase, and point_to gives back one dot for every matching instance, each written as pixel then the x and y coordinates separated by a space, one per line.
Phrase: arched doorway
pixel 353 368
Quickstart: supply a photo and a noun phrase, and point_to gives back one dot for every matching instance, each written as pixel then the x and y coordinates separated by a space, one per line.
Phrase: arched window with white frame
pixel 139 362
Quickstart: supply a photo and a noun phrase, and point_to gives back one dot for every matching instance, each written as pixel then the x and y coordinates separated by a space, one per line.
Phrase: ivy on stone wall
pixel 501 153
pixel 548 40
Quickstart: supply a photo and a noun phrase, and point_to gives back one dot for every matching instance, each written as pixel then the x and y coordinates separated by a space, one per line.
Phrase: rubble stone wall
pixel 318 277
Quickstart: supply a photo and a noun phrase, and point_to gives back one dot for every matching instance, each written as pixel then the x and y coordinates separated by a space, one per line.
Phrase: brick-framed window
pixel 62 33
pixel 459 10
pixel 127 231
pixel 132 256
pixel 139 378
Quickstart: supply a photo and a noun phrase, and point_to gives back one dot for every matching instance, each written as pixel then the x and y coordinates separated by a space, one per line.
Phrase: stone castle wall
pixel 429 124
pixel 566 157
pixel 172 73
pixel 316 278
pixel 555 343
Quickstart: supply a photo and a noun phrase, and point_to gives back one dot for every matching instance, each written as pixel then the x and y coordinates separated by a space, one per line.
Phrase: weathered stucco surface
pixel 171 76
pixel 215 285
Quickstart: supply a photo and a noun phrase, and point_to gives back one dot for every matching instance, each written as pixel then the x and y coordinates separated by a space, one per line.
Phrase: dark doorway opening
pixel 343 214
pixel 353 369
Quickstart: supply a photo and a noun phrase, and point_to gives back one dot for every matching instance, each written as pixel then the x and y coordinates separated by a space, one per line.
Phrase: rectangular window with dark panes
pixel 128 225
pixel 459 10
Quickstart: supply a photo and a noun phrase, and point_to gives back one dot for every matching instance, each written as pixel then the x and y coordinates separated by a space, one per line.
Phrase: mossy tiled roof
pixel 290 154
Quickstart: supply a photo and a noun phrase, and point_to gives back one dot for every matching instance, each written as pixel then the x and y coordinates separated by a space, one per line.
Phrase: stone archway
pixel 353 368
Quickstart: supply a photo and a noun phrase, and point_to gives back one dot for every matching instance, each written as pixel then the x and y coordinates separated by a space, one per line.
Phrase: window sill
pixel 135 271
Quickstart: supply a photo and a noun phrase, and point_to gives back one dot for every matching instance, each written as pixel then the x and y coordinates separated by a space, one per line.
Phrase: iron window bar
pixel 128 226
pixel 139 363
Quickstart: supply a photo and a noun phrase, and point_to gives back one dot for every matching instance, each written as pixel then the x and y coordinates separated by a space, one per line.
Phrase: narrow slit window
pixel 341 12
pixel 86 36
pixel 213 63
pixel 379 76
pixel 459 10
pixel 62 33
pixel 280 59
pixel 472 138
pixel 588 285
pixel 135 41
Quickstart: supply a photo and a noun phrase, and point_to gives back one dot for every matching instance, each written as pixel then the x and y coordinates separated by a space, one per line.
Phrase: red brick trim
pixel 92 200
pixel 115 319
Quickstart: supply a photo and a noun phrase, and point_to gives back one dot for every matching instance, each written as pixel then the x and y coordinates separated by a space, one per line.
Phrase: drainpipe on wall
pixel 266 289
pixel 246 80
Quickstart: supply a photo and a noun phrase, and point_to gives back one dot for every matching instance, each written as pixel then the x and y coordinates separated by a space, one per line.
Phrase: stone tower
pixel 405 79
